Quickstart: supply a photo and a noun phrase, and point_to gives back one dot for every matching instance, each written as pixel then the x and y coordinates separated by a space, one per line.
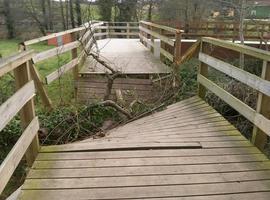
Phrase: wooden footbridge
pixel 186 151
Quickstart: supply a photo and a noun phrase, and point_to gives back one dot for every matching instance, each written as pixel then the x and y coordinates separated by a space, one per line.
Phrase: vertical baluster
pixel 259 138
pixel 27 113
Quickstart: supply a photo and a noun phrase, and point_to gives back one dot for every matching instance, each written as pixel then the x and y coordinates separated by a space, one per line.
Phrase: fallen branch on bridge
pixel 114 105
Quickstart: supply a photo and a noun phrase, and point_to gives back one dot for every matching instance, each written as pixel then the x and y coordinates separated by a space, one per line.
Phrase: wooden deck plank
pixel 131 57
pixel 176 131
pixel 150 191
pixel 147 170
pixel 65 164
pixel 145 154
pixel 133 181
pixel 187 151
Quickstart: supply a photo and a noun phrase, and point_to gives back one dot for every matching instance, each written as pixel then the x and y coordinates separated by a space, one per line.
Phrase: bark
pixel 241 30
pixel 33 13
pixel 117 107
pixel 9 19
pixel 63 15
pixel 50 15
pixel 150 10
pixel 44 14
pixel 78 13
pixel 72 19
pixel 67 14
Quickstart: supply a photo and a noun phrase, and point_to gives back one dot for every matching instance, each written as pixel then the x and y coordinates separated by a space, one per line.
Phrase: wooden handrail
pixel 166 28
pixel 10 63
pixel 259 117
pixel 156 31
pixel 251 51
pixel 54 35
pixel 21 101
pixel 253 29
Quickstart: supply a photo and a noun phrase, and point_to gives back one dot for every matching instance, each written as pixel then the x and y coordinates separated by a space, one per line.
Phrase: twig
pixel 117 107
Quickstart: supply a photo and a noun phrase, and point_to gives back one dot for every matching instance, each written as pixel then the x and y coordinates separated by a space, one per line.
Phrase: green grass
pixel 60 91
pixel 8 47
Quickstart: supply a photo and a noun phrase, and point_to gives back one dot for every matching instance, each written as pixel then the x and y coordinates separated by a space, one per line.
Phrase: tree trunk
pixel 78 13
pixel 67 14
pixel 72 19
pixel 50 16
pixel 8 19
pixel 63 15
pixel 150 10
pixel 44 14
pixel 241 30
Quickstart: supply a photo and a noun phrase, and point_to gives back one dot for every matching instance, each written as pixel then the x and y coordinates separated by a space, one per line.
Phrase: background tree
pixel 127 10
pixel 62 8
pixel 9 18
pixel 44 13
pixel 50 14
pixel 72 18
pixel 78 12
pixel 105 9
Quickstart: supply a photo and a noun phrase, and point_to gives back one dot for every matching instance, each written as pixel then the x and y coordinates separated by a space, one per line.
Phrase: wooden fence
pixel 118 29
pixel 259 117
pixel 22 101
pixel 151 31
pixel 253 29
pixel 83 39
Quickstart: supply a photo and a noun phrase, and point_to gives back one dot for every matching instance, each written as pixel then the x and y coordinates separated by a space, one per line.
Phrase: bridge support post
pixel 128 30
pixel 203 70
pixel 177 47
pixel 74 54
pixel 152 41
pixel 27 113
pixel 162 46
pixel 259 138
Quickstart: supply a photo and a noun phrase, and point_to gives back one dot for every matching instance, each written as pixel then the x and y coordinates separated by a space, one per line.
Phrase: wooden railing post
pixel 259 138
pixel 177 47
pixel 74 54
pixel 162 46
pixel 141 33
pixel 152 41
pixel 108 30
pixel 128 30
pixel 38 82
pixel 203 70
pixel 27 113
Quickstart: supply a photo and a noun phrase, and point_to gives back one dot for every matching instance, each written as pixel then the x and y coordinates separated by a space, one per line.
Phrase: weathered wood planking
pixel 247 78
pixel 132 181
pixel 54 35
pixel 259 120
pixel 10 63
pixel 14 104
pixel 157 35
pixel 148 170
pixel 55 51
pixel 132 58
pixel 61 71
pixel 155 161
pixel 145 153
pixel 251 51
pixel 99 168
pixel 166 28
pixel 151 191
pixel 11 162
pixel 94 88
